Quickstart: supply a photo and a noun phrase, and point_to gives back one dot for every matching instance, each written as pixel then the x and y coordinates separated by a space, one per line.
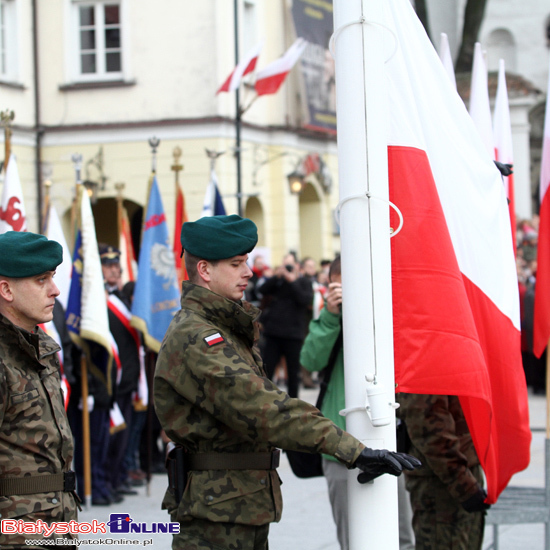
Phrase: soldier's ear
pixel 5 290
pixel 203 270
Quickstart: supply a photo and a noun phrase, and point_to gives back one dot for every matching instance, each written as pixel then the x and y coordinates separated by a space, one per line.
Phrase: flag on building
pixel 54 232
pixel 244 67
pixel 541 333
pixel 213 204
pixel 480 108
pixel 447 58
pixel 156 294
pixel 502 132
pixel 12 209
pixel 86 312
pixel 271 77
pixel 181 218
pixel 125 245
pixel 454 285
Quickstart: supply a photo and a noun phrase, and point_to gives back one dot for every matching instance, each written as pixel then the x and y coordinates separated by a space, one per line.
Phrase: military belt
pixel 29 485
pixel 233 461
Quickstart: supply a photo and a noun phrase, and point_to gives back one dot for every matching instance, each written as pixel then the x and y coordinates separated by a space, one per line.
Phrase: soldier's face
pixel 33 300
pixel 229 277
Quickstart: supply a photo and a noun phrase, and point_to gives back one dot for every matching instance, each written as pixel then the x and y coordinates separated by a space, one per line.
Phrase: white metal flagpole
pixel 361 45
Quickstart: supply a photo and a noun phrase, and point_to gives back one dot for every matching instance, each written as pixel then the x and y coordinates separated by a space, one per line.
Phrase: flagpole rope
pixel 361 21
pixel 367 195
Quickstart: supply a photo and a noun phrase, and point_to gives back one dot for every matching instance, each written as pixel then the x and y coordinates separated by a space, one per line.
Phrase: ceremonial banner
pixel 86 312
pixel 54 232
pixel 446 58
pixel 542 289
pixel 181 218
pixel 502 132
pixel 480 109
pixel 12 210
pixel 156 295
pixel 454 284
pixel 213 204
pixel 125 245
pixel 313 22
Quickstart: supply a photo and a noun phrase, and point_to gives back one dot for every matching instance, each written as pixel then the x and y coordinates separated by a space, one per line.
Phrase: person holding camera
pixel 285 322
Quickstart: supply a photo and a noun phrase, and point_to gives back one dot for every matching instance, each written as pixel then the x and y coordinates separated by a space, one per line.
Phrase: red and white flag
pixel 480 108
pixel 126 246
pixel 447 58
pixel 454 285
pixel 246 65
pixel 12 211
pixel 271 77
pixel 54 232
pixel 502 132
pixel 541 333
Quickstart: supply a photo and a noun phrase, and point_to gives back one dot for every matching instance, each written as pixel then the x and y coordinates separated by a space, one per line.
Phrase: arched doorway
pixel 255 212
pixel 310 212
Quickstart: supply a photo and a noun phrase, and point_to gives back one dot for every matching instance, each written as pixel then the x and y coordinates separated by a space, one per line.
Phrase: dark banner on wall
pixel 313 21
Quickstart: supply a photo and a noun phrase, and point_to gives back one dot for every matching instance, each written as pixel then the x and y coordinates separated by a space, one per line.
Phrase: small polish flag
pixel 214 339
pixel 245 66
pixel 270 78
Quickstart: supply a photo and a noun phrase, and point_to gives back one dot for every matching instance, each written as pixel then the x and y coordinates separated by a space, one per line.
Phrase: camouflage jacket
pixel 216 397
pixel 441 440
pixel 35 437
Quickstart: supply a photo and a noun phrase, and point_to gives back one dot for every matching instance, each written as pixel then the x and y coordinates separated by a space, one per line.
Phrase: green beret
pixel 24 254
pixel 219 237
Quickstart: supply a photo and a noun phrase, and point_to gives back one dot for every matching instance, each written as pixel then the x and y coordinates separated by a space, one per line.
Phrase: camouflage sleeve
pixel 223 384
pixel 322 335
pixel 431 427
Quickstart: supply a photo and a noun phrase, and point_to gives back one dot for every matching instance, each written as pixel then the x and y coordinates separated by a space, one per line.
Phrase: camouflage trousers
pixel 200 534
pixel 439 521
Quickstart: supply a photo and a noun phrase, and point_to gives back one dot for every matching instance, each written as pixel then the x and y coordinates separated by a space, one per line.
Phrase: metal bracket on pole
pixel 154 142
pixel 377 405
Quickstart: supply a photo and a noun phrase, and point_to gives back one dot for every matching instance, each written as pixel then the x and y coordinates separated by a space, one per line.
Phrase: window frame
pixel 9 40
pixel 100 75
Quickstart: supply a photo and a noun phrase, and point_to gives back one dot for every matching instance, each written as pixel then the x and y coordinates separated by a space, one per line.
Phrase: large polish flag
pixel 480 108
pixel 542 289
pixel 244 67
pixel 454 285
pixel 502 133
pixel 271 77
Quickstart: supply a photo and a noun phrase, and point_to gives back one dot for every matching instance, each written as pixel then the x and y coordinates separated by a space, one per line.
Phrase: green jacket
pixel 35 437
pixel 315 354
pixel 216 397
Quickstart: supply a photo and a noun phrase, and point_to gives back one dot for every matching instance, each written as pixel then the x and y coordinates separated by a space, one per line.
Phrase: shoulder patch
pixel 214 339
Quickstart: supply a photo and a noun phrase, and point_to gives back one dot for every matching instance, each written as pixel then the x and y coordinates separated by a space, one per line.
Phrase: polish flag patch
pixel 214 339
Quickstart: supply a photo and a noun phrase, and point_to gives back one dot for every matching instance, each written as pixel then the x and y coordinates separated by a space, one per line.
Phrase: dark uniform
pixel 36 445
pixel 213 398
pixel 451 480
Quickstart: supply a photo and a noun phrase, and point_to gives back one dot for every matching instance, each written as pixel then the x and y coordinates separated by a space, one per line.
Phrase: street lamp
pixel 296 182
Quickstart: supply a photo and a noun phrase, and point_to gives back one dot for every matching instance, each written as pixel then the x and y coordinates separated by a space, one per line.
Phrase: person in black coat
pixel 285 319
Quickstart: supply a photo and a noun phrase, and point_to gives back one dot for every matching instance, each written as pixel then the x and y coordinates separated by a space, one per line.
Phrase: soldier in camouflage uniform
pixel 36 445
pixel 447 494
pixel 213 398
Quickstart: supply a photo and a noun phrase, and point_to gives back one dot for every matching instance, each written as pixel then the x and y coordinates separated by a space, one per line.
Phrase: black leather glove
pixel 476 502
pixel 375 462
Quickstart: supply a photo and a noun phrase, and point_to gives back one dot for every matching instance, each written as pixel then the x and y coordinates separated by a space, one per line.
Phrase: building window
pixel 98 37
pixel 8 41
